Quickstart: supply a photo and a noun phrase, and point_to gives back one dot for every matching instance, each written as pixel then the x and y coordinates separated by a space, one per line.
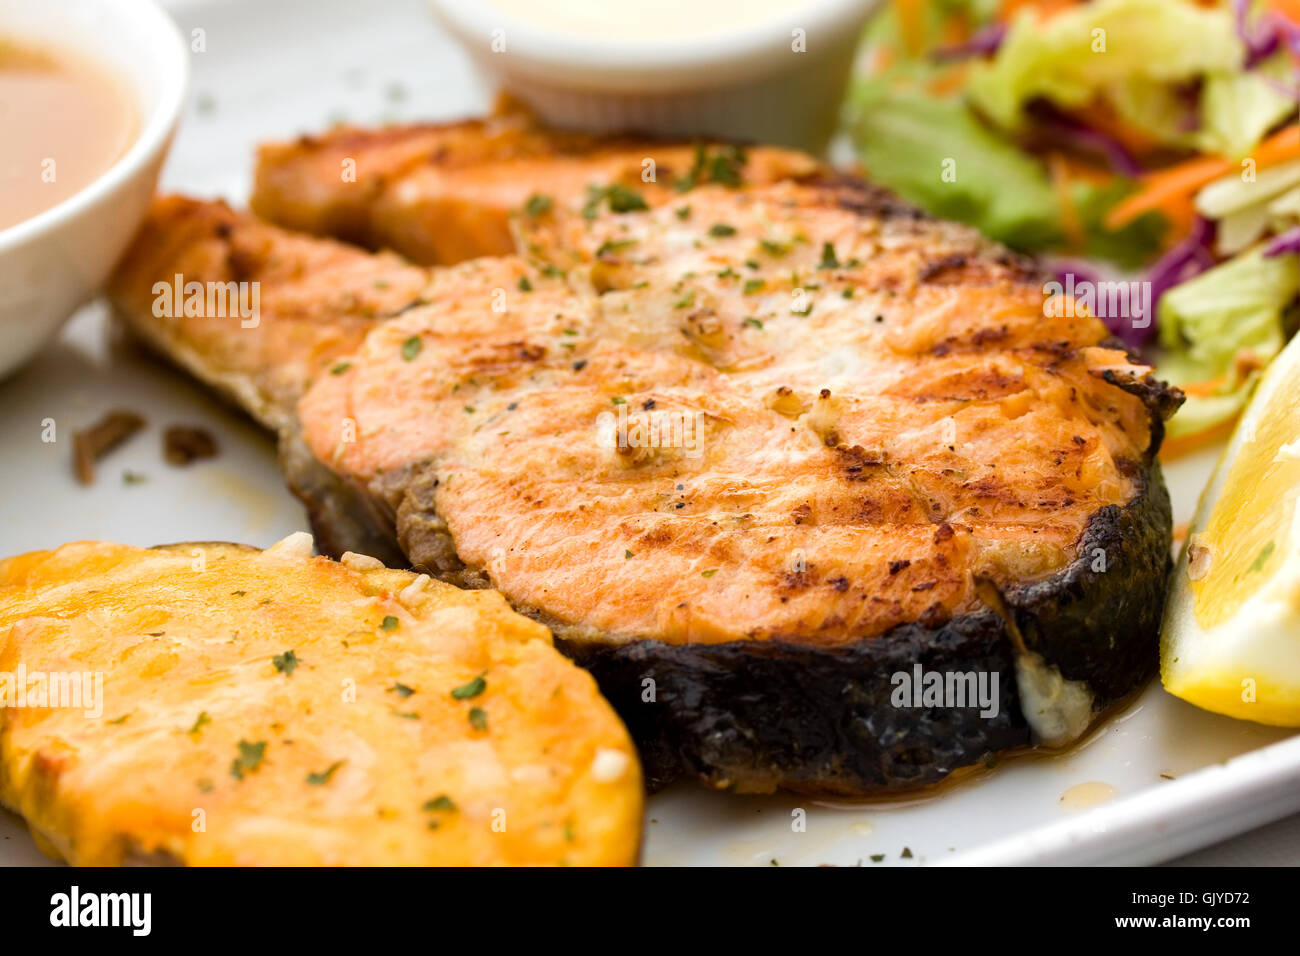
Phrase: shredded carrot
pixel 1167 186
pixel 1171 189
pixel 1288 8
pixel 1182 219
pixel 1185 445
pixel 911 24
pixel 1281 146
pixel 1100 115
pixel 1044 9
pixel 1086 170
pixel 1180 531
pixel 1071 223
pixel 1210 386
pixel 956 30
pixel 949 81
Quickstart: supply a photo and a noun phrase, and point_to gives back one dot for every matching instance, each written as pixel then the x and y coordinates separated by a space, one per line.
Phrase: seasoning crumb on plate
pixel 93 443
pixel 184 444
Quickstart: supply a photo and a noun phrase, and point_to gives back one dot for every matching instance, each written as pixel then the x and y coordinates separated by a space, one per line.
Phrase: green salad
pixel 1147 140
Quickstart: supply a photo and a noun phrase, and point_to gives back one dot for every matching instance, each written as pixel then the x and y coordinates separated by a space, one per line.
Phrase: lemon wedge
pixel 1231 637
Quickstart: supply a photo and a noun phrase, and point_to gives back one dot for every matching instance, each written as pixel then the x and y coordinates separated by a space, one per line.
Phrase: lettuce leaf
pixel 933 17
pixel 1237 109
pixel 1130 247
pixel 1086 52
pixel 1207 323
pixel 906 137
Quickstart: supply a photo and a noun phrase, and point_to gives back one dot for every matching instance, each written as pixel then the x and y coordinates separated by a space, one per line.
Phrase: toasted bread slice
pixel 270 707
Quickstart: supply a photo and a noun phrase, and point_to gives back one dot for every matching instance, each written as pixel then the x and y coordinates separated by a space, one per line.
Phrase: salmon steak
pixel 814 485
pixel 441 192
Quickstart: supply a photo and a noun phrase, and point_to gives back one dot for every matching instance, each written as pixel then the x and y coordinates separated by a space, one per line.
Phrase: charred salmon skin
pixel 245 707
pixel 758 456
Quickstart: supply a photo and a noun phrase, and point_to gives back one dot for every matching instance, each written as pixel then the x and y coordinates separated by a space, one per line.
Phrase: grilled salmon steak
pixel 441 193
pixel 212 704
pixel 760 454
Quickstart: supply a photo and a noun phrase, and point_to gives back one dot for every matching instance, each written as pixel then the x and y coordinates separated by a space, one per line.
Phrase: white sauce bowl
pixel 778 80
pixel 55 261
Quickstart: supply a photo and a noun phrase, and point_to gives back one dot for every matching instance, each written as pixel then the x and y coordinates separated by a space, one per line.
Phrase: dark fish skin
pixel 754 717
pixel 1097 625
pixel 342 518
pixel 757 716
pixel 760 716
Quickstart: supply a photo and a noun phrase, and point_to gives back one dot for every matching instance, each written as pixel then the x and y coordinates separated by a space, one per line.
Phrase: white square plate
pixel 1160 779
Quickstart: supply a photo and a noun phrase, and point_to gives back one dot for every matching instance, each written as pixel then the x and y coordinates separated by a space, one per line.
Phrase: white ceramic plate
pixel 1169 778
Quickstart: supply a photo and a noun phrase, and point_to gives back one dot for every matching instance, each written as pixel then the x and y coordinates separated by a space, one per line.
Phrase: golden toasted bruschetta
pixel 212 704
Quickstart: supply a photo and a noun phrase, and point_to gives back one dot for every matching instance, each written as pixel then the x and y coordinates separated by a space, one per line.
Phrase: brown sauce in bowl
pixel 63 122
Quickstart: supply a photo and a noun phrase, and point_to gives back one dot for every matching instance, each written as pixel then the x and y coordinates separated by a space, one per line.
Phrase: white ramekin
pixel 53 262
pixel 746 84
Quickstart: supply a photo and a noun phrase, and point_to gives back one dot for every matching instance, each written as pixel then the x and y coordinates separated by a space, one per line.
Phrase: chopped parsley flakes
pixel 249 759
pixel 1262 558
pixel 472 689
pixel 611 246
pixel 322 778
pixel 619 198
pixel 538 204
pixel 722 167
pixel 829 259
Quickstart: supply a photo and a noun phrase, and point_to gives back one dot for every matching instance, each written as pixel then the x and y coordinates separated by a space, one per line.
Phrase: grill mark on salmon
pixel 876 447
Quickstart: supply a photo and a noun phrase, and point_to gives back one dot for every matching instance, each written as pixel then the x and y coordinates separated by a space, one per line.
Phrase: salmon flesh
pixel 766 448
